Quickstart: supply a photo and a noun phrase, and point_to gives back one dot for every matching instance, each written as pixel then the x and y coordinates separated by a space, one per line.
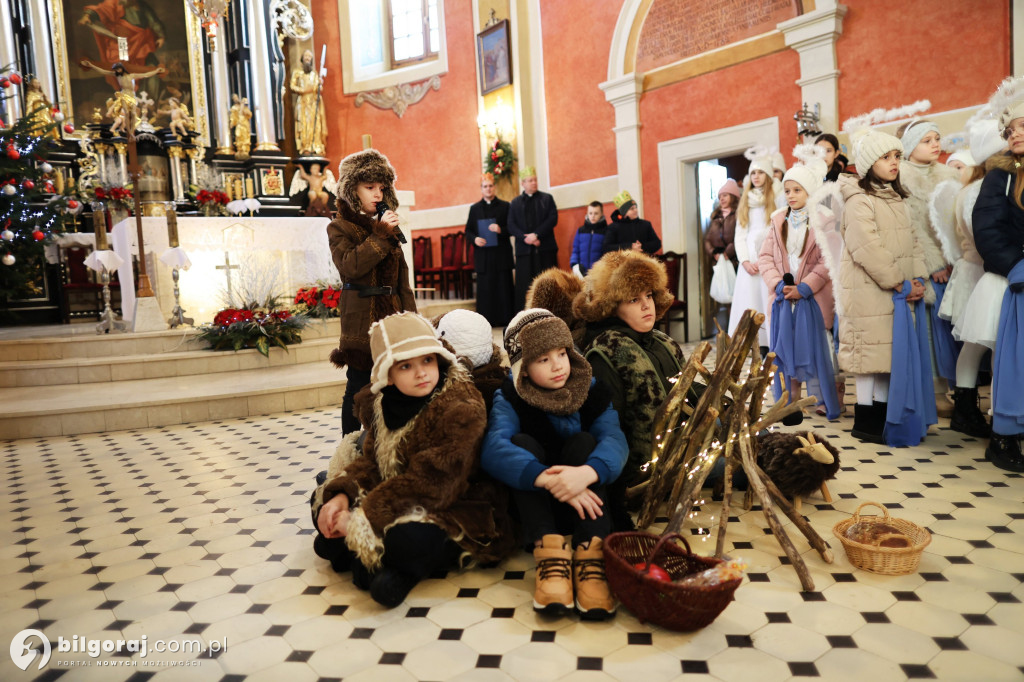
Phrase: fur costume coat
pixel 920 181
pixel 367 254
pixel 998 220
pixel 881 251
pixel 427 471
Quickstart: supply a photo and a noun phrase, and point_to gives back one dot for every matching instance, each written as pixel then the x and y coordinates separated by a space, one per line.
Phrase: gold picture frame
pixel 68 80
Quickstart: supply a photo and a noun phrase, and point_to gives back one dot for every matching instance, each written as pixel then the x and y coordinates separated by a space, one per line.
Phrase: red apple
pixel 654 571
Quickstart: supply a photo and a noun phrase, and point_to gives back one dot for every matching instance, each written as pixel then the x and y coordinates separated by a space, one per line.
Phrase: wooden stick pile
pixel 723 423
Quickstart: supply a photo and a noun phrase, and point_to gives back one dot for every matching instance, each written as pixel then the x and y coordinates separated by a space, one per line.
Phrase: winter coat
pixel 998 220
pixel 546 214
pixel 425 471
pixel 921 181
pixel 637 368
pixel 881 251
pixel 774 263
pixel 511 415
pixel 365 254
pixel 624 231
pixel 587 245
pixel 489 377
pixel 490 258
pixel 721 237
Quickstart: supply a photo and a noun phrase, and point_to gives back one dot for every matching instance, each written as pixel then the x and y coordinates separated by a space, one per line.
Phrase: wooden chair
pixel 469 271
pixel 452 261
pixel 425 275
pixel 675 265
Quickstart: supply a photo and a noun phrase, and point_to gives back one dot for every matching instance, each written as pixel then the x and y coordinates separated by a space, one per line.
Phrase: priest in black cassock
pixel 532 217
pixel 488 224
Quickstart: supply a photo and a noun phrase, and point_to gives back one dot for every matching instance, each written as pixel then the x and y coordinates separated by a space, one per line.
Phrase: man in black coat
pixel 493 264
pixel 628 231
pixel 532 217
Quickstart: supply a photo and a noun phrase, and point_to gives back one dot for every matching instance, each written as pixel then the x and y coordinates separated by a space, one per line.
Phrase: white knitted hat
pixel 778 162
pixel 810 171
pixel 869 145
pixel 400 337
pixel 985 139
pixel 469 334
pixel 915 132
pixel 963 156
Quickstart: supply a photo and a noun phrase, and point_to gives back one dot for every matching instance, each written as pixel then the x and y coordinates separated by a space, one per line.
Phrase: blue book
pixel 483 230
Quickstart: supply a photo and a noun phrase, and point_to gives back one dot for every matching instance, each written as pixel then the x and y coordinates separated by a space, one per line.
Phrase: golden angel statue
pixel 240 120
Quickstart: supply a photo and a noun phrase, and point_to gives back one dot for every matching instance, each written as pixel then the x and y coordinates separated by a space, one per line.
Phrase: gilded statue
pixel 318 184
pixel 310 123
pixel 123 107
pixel 240 120
pixel 39 109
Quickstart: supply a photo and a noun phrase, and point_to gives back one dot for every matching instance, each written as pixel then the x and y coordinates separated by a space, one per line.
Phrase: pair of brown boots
pixel 562 572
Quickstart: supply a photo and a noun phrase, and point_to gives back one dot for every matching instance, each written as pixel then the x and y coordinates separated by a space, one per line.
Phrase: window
pixel 413 26
pixel 392 42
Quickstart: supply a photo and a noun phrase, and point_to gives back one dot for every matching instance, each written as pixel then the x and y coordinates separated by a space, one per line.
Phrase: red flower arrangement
pixel 237 328
pixel 122 196
pixel 318 301
pixel 500 160
pixel 212 202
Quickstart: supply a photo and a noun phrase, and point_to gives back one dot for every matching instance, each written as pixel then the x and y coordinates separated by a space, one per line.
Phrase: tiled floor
pixel 203 531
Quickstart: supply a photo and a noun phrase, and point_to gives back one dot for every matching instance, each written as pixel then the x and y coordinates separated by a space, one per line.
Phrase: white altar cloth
pixel 292 252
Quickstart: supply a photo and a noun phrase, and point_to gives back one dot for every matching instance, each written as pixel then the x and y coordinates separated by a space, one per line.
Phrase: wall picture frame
pixel 494 58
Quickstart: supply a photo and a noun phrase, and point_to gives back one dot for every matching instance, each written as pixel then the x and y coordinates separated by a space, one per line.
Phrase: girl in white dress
pixel 762 194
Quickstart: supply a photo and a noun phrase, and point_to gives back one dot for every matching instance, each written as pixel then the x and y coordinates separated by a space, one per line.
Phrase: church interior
pixel 169 169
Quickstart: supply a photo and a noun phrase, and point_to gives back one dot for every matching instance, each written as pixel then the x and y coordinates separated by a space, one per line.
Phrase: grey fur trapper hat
pixel 368 165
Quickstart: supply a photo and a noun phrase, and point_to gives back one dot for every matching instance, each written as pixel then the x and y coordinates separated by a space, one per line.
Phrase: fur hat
pixel 469 334
pixel 621 276
pixel 623 201
pixel 778 162
pixel 530 334
pixel 869 146
pixel 554 290
pixel 400 337
pixel 368 165
pixel 914 132
pixel 730 187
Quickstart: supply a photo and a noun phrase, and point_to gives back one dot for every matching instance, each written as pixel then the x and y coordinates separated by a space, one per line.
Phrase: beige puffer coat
pixel 881 252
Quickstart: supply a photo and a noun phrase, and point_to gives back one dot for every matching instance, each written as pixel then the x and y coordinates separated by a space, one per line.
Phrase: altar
pixel 243 259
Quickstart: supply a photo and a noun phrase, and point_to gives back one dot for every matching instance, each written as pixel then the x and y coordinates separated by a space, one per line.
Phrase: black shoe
pixel 869 423
pixel 390 587
pixel 361 576
pixel 793 419
pixel 967 416
pixel 1004 452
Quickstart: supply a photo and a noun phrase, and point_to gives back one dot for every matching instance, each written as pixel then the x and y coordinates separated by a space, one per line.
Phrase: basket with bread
pixel 882 544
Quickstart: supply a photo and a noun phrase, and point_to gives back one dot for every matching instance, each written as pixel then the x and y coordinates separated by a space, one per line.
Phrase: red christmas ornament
pixel 4 83
pixel 15 78
pixel 28 184
pixel 38 236
pixel 68 128
pixel 13 153
pixel 72 203
pixel 49 188
pixel 2 124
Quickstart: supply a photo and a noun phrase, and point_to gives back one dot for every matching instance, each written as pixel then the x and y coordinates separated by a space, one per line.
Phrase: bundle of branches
pixel 723 423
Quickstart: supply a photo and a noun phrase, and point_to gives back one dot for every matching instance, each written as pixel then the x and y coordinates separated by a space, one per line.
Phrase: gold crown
pixel 527 172
pixel 622 198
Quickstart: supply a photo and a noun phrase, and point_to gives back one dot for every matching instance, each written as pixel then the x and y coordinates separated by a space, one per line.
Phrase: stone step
pixel 114 406
pixel 184 363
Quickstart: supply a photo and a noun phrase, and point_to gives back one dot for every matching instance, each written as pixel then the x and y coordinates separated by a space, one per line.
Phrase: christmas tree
pixel 31 209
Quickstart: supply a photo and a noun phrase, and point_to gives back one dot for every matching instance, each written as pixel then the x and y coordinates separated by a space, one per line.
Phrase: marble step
pixel 38 411
pixel 184 363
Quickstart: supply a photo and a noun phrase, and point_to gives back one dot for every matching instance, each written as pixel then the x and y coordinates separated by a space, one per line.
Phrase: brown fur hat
pixel 368 165
pixel 621 276
pixel 554 291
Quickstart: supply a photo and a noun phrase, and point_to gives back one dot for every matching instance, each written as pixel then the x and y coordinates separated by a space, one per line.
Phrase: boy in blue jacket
pixel 588 244
pixel 554 438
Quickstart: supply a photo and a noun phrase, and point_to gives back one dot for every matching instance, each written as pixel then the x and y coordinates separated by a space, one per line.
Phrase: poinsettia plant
pixel 501 159
pixel 252 327
pixel 319 301
pixel 212 202
pixel 115 196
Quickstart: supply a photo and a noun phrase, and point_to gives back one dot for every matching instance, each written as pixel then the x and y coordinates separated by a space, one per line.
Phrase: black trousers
pixel 416 549
pixel 541 514
pixel 528 266
pixel 357 379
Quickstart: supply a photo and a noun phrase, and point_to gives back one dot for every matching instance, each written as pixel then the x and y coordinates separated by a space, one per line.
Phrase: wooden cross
pixel 227 268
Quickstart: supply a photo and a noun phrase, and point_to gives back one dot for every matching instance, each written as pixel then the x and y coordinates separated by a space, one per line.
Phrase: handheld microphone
pixel 382 208
pixel 788 280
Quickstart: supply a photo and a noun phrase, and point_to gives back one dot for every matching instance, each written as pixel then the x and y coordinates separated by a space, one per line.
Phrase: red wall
pixel 895 53
pixel 576 38
pixel 731 96
pixel 436 140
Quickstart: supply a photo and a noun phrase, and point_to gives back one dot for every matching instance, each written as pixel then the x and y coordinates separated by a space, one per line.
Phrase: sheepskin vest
pixel 536 422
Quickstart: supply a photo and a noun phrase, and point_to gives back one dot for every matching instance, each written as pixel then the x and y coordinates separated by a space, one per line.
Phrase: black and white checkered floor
pixel 203 531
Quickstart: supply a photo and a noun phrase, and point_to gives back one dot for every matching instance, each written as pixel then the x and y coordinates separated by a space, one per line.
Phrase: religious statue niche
pixel 310 118
pixel 160 48
pixel 314 188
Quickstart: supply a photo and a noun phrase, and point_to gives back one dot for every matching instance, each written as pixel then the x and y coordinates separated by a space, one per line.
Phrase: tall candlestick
pixel 367 141
pixel 99 228
pixel 172 228
pixel 248 188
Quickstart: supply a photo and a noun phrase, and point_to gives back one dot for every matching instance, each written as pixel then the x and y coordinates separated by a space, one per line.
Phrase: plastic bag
pixel 723 281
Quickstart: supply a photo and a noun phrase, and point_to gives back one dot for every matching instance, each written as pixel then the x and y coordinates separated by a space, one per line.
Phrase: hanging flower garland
pixel 501 160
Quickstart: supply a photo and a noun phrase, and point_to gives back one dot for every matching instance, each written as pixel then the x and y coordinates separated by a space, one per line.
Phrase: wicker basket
pixel 668 604
pixel 884 560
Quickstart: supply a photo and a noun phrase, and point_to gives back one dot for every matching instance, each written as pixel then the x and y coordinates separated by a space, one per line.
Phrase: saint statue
pixel 239 118
pixel 39 109
pixel 310 124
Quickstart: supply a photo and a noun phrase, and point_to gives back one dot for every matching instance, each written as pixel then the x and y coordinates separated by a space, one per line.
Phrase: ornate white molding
pixel 623 93
pixel 398 98
pixel 813 36
pixel 292 18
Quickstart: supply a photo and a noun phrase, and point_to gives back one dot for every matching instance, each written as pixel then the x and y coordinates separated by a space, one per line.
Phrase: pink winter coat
pixel 773 262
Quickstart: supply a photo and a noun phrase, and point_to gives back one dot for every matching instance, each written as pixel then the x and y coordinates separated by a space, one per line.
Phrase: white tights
pixel 872 387
pixel 967 364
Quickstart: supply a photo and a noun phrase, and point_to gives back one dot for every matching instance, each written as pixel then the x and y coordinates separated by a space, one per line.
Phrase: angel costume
pixel 751 291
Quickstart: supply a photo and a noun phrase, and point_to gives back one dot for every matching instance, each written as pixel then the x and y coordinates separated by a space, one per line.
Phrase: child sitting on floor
pixel 411 500
pixel 554 438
